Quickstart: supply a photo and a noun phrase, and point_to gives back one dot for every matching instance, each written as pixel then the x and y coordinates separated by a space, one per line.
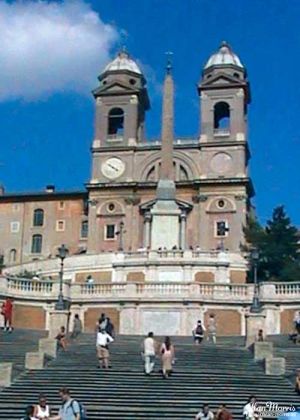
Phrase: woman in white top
pixel 42 409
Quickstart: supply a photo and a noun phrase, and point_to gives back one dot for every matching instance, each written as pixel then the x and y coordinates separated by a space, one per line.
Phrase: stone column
pixel 254 322
pixel 5 374
pixel 57 319
pixel 183 231
pixel 147 231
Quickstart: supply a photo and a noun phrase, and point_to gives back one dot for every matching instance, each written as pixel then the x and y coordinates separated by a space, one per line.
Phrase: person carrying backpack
pixel 198 332
pixel 70 409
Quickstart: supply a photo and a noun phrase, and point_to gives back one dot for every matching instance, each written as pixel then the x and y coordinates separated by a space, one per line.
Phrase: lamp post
pixel 255 306
pixel 62 253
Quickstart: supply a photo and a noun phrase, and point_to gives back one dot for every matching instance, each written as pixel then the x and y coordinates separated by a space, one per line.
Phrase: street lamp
pixel 62 253
pixel 255 306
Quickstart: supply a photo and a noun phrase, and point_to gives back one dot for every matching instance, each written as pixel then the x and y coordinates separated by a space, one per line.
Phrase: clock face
pixel 113 167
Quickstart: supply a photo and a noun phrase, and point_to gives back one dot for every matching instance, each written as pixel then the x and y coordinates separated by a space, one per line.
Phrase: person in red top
pixel 6 311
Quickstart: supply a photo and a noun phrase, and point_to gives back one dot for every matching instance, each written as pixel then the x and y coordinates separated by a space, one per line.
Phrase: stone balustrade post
pixel 3 285
pixel 267 291
pixel 254 322
pixel 193 290
pixel 263 350
pixel 57 319
pixel 34 360
pixel 48 346
pixel 5 374
pixel 131 290
pixel 275 366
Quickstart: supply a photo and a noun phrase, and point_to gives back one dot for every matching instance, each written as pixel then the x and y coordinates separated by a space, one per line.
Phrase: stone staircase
pixel 291 352
pixel 206 373
pixel 14 346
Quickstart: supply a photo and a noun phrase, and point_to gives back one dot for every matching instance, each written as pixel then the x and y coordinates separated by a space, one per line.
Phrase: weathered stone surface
pixel 48 346
pixel 5 374
pixel 263 350
pixel 254 322
pixel 275 366
pixel 34 360
pixel 57 319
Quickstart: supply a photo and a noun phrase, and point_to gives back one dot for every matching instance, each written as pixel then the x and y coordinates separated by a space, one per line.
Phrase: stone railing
pixel 32 289
pixel 48 290
pixel 288 291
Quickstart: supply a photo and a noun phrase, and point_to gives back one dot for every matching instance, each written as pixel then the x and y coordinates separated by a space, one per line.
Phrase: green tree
pixel 282 250
pixel 277 245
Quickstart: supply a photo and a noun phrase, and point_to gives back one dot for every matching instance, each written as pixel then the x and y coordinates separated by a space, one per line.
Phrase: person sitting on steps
pixel 42 409
pixel 61 339
pixel 205 413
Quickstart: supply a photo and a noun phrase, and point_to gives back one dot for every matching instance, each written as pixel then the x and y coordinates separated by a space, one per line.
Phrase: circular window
pixel 104 82
pixel 111 207
pixel 132 81
pixel 221 204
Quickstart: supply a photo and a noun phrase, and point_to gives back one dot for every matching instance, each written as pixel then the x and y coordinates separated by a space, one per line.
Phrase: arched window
pixel 12 255
pixel 222 116
pixel 116 122
pixel 36 245
pixel 38 217
pixel 84 229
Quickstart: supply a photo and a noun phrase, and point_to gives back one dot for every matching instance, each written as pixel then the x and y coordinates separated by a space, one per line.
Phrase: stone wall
pixel 29 316
pixel 92 315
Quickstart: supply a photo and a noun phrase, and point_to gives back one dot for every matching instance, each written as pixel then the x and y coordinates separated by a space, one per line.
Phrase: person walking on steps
pixel 198 332
pixel 167 352
pixel 77 327
pixel 212 329
pixel 103 340
pixel 7 311
pixel 149 350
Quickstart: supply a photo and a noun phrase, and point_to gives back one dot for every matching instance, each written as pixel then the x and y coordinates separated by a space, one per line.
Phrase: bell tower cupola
pixel 121 103
pixel 224 95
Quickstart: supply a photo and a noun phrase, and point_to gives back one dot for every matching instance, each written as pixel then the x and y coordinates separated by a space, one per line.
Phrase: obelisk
pixel 165 212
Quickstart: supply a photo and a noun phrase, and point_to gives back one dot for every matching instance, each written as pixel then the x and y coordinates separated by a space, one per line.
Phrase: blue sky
pixel 46 127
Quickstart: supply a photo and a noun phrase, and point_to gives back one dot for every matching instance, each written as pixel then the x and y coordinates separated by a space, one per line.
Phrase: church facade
pixel 159 227
pixel 210 172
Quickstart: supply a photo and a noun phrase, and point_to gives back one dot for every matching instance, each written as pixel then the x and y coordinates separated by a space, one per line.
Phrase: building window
pixel 38 217
pixel 84 229
pixel 61 205
pixel 116 122
pixel 14 227
pixel 111 207
pixel 60 225
pixel 36 245
pixel 222 116
pixel 110 231
pixel 221 204
pixel 222 229
pixel 12 255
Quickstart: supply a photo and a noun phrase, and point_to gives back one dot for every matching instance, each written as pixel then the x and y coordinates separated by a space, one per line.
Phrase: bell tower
pixel 224 95
pixel 121 103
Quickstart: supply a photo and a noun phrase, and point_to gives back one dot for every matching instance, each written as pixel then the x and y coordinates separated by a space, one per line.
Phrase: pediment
pixel 114 87
pixel 222 79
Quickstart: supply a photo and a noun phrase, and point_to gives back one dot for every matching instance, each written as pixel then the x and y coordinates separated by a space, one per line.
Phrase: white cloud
pixel 48 47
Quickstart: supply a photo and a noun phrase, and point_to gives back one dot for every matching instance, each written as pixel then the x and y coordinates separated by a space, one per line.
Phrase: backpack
pixel 199 330
pixel 82 410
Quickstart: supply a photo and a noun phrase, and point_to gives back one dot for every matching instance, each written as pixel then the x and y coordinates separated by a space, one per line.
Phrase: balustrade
pixel 17 287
